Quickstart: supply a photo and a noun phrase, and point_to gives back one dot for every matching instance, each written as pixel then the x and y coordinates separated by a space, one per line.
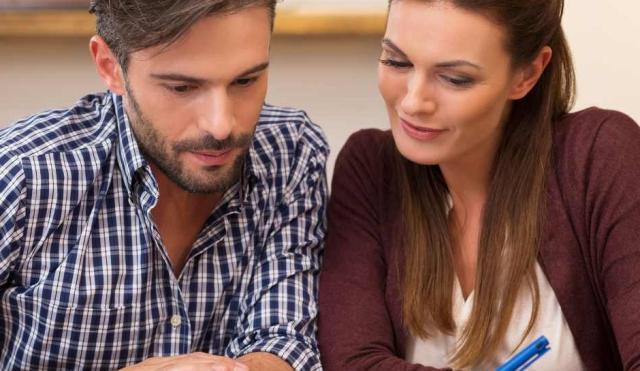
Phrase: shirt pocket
pixel 54 335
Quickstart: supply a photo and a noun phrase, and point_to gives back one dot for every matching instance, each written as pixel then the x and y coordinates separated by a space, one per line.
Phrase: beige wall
pixel 333 79
pixel 604 38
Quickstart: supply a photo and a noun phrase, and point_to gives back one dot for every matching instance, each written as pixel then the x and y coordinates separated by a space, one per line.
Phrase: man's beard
pixel 165 156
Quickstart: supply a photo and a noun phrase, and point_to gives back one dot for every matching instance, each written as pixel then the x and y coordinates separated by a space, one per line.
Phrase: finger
pixel 236 367
pixel 193 365
pixel 201 363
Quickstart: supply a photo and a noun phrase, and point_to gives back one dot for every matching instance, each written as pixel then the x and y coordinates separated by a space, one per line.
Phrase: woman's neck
pixel 468 181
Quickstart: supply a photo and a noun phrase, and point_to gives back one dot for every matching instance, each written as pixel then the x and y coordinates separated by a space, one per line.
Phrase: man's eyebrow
pixel 389 44
pixel 199 81
pixel 178 77
pixel 258 68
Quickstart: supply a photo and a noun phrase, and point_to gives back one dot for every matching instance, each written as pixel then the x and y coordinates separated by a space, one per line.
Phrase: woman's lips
pixel 420 132
pixel 212 158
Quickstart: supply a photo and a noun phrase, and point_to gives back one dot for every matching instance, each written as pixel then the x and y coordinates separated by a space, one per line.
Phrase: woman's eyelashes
pixel 457 81
pixel 454 80
pixel 395 63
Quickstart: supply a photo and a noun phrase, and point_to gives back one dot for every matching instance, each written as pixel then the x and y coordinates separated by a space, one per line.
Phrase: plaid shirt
pixel 85 281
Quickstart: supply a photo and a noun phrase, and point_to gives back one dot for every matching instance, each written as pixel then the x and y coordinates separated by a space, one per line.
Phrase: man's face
pixel 194 105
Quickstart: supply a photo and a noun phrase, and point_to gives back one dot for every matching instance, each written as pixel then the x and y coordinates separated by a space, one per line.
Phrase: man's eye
pixel 245 81
pixel 181 89
pixel 395 64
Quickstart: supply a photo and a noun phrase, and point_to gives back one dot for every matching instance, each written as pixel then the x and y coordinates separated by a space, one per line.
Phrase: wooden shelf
pixel 322 24
pixel 76 23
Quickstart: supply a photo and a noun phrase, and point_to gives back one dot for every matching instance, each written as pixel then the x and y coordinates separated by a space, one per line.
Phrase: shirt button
pixel 176 320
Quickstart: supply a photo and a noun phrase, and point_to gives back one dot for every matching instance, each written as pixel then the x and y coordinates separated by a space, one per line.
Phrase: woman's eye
pixel 459 82
pixel 395 64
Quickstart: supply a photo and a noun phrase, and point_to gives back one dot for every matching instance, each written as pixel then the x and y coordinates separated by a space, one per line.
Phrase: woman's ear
pixel 527 77
pixel 107 65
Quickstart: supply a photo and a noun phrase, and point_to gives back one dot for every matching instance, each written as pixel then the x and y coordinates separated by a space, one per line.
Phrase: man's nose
pixel 217 115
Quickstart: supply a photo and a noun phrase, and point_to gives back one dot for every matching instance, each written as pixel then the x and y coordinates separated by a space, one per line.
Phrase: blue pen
pixel 527 356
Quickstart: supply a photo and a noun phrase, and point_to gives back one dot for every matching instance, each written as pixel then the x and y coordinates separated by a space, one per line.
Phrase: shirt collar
pixel 129 155
pixel 249 176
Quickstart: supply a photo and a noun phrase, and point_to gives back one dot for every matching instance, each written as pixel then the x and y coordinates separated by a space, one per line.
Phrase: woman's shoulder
pixel 368 148
pixel 596 154
pixel 595 134
pixel 368 138
pixel 365 163
pixel 582 129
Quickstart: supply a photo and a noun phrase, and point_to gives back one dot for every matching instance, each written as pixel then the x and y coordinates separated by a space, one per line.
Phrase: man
pixel 174 222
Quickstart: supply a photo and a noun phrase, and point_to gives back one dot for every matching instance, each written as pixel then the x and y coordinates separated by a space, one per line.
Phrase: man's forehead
pixel 198 80
pixel 217 45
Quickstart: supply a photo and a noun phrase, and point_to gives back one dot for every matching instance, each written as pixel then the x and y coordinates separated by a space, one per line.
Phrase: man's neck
pixel 180 202
pixel 180 217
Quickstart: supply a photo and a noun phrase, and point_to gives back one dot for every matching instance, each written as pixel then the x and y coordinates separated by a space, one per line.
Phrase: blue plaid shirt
pixel 85 281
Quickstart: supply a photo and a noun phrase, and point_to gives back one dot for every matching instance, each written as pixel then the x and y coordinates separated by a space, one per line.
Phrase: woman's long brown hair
pixel 515 205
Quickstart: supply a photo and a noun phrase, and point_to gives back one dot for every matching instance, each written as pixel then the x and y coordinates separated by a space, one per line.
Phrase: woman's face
pixel 447 81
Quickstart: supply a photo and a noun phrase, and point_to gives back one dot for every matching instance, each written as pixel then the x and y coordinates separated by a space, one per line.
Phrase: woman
pixel 488 215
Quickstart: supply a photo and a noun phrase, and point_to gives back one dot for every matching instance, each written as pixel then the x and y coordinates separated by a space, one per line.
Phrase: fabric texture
pixel 85 282
pixel 590 248
pixel 437 349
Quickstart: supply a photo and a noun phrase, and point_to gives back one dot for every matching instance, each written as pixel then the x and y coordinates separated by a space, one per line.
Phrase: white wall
pixel 604 37
pixel 333 79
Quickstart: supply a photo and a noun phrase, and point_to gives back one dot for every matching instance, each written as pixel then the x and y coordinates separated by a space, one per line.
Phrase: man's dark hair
pixel 132 25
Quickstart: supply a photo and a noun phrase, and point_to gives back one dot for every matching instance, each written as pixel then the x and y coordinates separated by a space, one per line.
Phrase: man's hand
pixel 265 361
pixel 189 362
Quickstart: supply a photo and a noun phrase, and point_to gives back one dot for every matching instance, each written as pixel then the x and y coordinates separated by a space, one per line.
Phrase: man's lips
pixel 213 153
pixel 212 158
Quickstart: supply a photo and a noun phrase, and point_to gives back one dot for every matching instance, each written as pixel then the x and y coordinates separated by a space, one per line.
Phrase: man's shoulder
pixel 281 130
pixel 89 122
pixel 286 138
pixel 57 152
pixel 289 151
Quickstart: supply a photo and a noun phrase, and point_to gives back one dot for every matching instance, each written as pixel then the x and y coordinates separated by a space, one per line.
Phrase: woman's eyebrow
pixel 458 63
pixel 389 44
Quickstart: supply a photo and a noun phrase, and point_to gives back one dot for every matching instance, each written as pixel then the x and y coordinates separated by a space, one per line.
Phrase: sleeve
pixel 11 215
pixel 613 209
pixel 281 316
pixel 355 327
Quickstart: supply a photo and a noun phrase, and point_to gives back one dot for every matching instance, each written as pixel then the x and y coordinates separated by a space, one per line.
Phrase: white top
pixel 436 350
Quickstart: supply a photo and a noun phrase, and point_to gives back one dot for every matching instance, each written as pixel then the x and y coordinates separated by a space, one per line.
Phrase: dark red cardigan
pixel 590 251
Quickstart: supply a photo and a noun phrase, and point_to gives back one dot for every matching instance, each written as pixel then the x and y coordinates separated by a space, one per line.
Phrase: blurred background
pixel 323 59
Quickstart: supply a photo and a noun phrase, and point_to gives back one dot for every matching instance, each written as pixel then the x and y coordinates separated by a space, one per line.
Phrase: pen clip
pixel 523 359
pixel 537 355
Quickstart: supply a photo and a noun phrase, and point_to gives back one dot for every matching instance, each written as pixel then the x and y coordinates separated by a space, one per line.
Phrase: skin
pixel 193 108
pixel 445 73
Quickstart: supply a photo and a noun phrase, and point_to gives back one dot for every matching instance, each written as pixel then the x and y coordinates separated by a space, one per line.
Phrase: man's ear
pixel 107 65
pixel 527 77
